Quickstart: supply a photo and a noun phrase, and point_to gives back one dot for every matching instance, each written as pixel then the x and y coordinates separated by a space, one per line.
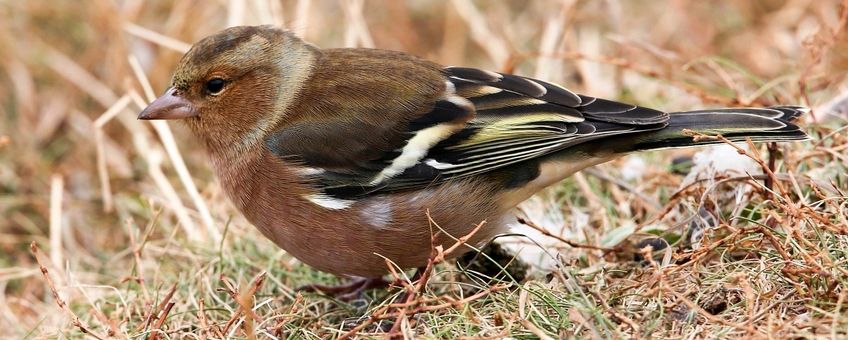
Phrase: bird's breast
pixel 357 239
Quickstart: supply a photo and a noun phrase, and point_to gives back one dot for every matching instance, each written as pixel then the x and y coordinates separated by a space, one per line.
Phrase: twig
pixel 774 242
pixel 75 320
pixel 660 274
pixel 753 154
pixel 614 312
pixel 156 311
pixel 559 238
pixel 437 255
pixel 651 204
pixel 750 300
pixel 161 320
pixel 278 328
pixel 244 301
pixel 113 330
pixel 707 315
pixel 201 317
pixel 137 247
pixel 703 251
pixel 382 315
pixel 204 321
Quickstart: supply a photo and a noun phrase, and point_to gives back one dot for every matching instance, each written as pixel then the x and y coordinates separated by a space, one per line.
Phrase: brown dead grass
pixel 137 239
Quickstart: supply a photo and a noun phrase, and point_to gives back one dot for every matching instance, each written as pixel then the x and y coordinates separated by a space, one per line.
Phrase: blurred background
pixel 92 186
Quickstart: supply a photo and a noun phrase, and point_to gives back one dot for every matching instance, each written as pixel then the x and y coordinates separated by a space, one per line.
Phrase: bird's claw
pixel 349 291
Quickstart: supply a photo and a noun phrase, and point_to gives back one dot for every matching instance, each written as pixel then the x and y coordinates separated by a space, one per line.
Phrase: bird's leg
pixel 354 289
pixel 366 285
pixel 348 291
pixel 415 277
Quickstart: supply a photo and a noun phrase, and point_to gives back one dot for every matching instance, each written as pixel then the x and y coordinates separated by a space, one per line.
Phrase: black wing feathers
pixel 515 119
pixel 497 120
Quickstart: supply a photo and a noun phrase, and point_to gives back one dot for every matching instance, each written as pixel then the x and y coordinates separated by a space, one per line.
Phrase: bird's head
pixel 234 86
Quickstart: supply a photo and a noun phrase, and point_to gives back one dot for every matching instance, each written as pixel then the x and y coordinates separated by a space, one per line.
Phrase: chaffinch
pixel 337 155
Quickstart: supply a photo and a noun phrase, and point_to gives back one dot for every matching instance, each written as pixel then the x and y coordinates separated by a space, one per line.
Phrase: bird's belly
pixel 374 233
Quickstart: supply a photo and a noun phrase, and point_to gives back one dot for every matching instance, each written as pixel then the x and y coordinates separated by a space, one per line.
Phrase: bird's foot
pixel 349 291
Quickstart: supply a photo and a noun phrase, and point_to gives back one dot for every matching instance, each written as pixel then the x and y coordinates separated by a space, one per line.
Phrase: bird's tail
pixel 774 124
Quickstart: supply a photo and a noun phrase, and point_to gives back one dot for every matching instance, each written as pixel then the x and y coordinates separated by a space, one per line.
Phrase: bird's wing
pixel 519 119
pixel 473 122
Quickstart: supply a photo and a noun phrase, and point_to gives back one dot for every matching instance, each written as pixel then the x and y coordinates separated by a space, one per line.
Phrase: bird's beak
pixel 168 106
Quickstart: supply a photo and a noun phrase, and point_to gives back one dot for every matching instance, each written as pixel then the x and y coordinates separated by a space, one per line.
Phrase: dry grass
pixel 137 240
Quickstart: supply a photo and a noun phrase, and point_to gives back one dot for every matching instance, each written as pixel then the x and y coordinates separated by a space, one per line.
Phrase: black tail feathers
pixel 774 124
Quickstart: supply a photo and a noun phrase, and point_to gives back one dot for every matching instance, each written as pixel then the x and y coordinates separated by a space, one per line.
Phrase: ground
pixel 113 227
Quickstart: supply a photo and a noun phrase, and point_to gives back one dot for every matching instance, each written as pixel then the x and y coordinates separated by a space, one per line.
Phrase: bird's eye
pixel 215 85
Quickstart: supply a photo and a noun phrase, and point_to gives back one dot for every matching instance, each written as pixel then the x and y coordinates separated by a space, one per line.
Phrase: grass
pixel 136 239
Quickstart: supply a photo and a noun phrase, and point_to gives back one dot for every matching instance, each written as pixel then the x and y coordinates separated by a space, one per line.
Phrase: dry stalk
pixel 706 315
pixel 301 17
pixel 99 139
pixel 57 188
pixel 155 312
pixel 650 204
pixel 786 205
pixel 663 285
pixel 204 321
pixel 817 46
pixel 412 303
pixel 614 312
pixel 67 68
pixel 235 12
pixel 156 38
pixel 559 238
pixel 494 45
pixel 437 255
pixel 704 251
pixel 75 320
pixel 245 303
pixel 137 248
pixel 634 67
pixel 167 138
pixel 382 313
pixel 161 320
pixel 174 201
pixel 356 33
pixel 535 329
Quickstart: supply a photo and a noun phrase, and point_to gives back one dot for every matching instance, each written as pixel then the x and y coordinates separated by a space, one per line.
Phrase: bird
pixel 347 158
